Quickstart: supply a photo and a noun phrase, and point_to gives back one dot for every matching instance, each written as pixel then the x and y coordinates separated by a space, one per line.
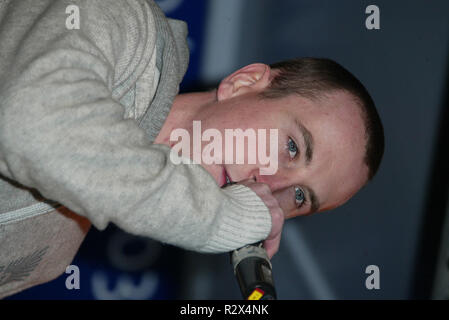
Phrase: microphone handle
pixel 253 271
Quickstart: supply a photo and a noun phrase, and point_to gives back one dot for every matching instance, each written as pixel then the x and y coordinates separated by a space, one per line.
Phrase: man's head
pixel 313 77
pixel 330 138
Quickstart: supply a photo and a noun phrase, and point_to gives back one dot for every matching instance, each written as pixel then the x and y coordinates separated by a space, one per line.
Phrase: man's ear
pixel 253 77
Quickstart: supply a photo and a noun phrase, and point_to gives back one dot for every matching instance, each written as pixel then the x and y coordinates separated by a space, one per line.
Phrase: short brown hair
pixel 313 77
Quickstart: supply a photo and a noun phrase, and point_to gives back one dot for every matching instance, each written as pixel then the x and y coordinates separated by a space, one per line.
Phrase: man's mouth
pixel 226 178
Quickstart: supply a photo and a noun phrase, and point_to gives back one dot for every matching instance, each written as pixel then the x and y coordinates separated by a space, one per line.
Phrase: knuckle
pixel 265 188
pixel 272 203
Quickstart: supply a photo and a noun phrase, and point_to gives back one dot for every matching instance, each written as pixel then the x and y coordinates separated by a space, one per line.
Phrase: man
pixel 86 117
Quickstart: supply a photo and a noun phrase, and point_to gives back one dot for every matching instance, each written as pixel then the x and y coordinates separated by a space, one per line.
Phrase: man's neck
pixel 184 110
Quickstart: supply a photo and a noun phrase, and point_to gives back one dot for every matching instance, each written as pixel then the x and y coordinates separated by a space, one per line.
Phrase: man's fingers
pixel 271 244
pixel 277 222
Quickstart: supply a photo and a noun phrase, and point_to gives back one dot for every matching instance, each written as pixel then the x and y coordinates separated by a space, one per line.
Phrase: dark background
pixel 395 223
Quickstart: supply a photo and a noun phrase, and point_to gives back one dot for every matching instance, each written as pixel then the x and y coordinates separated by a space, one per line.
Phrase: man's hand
pixel 271 244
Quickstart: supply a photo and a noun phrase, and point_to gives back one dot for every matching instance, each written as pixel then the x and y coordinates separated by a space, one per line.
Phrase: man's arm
pixel 62 133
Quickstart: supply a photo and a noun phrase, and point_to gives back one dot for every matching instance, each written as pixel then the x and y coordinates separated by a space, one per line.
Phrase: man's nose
pixel 282 179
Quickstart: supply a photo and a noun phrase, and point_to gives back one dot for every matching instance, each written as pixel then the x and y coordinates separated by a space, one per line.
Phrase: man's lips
pixel 225 179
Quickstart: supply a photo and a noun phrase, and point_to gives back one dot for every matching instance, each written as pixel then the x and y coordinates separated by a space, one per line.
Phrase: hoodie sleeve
pixel 64 134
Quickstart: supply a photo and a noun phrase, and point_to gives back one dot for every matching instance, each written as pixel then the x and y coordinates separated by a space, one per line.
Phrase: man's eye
pixel 292 148
pixel 299 197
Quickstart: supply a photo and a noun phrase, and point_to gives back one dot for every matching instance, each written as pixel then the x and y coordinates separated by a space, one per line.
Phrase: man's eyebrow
pixel 308 141
pixel 313 199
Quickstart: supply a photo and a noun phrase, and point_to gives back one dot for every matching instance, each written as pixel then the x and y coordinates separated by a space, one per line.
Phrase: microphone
pixel 253 271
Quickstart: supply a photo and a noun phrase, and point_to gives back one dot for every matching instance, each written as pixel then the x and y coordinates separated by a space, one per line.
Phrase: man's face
pixel 321 146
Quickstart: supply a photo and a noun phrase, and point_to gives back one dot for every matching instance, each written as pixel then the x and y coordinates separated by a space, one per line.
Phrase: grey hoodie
pixel 79 109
